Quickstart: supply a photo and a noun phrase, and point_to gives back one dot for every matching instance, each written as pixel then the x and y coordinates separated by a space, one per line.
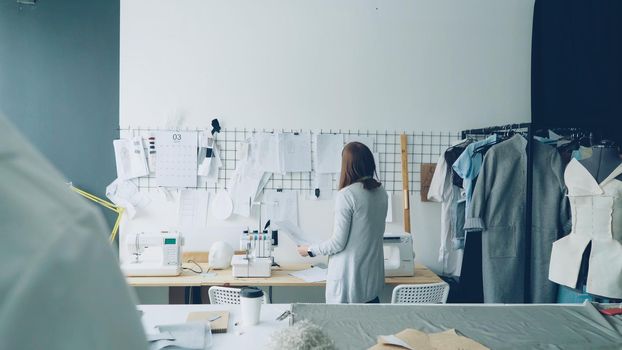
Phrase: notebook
pixel 218 326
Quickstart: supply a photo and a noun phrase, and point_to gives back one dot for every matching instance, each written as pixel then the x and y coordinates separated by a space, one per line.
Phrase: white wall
pixel 398 65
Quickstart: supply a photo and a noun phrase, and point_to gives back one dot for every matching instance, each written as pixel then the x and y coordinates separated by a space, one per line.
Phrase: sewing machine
pixel 153 254
pixel 399 258
pixel 257 260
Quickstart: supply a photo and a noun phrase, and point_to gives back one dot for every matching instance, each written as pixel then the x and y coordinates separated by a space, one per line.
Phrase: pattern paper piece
pixel 280 206
pixel 125 194
pixel 193 208
pixel 130 158
pixel 369 141
pixel 297 152
pixel 265 152
pixel 323 183
pixel 328 149
pixel 389 207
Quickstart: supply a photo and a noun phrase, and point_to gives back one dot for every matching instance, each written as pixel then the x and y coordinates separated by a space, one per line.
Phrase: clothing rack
pixel 528 130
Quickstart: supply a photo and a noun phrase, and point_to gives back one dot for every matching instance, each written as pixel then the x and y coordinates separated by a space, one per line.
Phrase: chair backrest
pixel 433 293
pixel 227 295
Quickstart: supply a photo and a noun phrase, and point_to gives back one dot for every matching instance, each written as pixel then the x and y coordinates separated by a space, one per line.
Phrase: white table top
pixel 237 337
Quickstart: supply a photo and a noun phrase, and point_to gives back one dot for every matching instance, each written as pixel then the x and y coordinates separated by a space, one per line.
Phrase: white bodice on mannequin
pixel 596 218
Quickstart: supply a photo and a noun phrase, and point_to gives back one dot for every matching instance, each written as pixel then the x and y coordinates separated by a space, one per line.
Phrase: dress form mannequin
pixel 604 160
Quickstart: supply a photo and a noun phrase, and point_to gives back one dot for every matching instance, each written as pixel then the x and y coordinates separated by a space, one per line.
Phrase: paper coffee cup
pixel 250 302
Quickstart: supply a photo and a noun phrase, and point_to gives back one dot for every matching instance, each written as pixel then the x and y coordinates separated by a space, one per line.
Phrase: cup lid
pixel 251 292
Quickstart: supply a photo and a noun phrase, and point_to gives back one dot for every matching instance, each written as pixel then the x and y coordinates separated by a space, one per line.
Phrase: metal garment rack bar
pixel 424 147
pixel 528 130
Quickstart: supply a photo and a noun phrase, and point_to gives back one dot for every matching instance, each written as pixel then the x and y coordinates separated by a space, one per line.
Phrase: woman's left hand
pixel 303 250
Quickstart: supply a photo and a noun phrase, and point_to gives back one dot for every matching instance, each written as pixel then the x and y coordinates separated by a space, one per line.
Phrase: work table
pixel 280 278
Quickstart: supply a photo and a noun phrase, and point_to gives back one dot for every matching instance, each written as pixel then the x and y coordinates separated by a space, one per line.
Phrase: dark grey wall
pixel 59 83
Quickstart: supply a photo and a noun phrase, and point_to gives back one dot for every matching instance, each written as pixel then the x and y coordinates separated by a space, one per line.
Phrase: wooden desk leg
pixel 176 295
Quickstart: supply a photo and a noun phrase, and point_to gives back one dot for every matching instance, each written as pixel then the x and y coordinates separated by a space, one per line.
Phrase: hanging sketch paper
pixel 130 158
pixel 369 141
pixel 265 152
pixel 280 206
pixel 176 162
pixel 389 207
pixel 323 183
pixel 328 149
pixel 124 193
pixel 246 183
pixel 297 152
pixel 377 162
pixel 294 232
pixel 206 153
pixel 193 208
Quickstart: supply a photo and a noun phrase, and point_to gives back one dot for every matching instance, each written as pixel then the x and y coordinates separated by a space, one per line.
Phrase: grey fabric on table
pixel 529 326
pixel 550 218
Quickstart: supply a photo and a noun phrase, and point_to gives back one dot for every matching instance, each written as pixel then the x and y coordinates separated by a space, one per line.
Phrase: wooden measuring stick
pixel 405 189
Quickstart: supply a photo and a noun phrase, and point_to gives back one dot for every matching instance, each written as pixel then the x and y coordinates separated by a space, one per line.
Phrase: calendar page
pixel 176 158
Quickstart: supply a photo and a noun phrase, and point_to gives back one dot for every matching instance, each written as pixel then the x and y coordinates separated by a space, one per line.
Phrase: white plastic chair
pixel 227 295
pixel 433 293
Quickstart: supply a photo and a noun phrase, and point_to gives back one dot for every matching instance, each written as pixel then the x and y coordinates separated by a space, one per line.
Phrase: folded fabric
pixel 183 336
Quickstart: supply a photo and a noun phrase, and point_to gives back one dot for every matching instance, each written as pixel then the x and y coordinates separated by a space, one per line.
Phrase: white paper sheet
pixel 314 274
pixel 265 152
pixel 377 162
pixel 390 207
pixel 124 193
pixel 294 232
pixel 209 166
pixel 246 183
pixel 130 158
pixel 323 183
pixel 280 206
pixel 206 153
pixel 328 149
pixel 193 208
pixel 369 141
pixel 395 341
pixel 297 152
pixel 176 161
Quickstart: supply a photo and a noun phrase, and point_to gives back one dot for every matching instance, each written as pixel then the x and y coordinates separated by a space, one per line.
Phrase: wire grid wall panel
pixel 423 147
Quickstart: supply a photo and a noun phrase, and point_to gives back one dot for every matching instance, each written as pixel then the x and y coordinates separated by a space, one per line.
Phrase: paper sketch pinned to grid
pixel 193 208
pixel 130 158
pixel 208 159
pixel 323 186
pixel 296 152
pixel 328 149
pixel 246 183
pixel 176 162
pixel 280 206
pixel 389 207
pixel 369 141
pixel 265 152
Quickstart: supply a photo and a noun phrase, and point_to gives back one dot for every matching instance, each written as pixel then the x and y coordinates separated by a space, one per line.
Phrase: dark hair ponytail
pixel 358 165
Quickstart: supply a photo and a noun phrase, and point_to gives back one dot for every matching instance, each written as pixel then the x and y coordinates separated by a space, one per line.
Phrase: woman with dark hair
pixel 356 263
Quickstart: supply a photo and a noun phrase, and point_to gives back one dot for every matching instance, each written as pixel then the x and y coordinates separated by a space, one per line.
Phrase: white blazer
pixel 356 259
